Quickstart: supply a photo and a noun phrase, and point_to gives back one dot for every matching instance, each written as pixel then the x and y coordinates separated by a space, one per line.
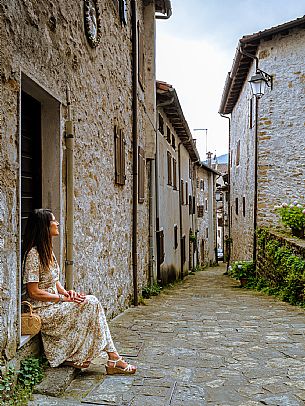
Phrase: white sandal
pixel 114 370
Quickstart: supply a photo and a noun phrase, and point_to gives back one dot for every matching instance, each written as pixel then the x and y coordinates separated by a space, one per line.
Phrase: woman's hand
pixel 76 297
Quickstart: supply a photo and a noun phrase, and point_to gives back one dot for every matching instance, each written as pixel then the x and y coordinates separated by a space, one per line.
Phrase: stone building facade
pixel 206 226
pixel 64 73
pixel 267 158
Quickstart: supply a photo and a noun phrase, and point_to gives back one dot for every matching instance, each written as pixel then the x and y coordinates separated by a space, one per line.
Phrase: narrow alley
pixel 203 342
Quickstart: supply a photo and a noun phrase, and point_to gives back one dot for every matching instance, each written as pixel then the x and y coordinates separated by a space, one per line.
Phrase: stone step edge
pixel 56 381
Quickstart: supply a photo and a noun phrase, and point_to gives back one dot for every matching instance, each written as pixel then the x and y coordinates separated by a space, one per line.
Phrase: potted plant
pixel 242 271
pixel 293 216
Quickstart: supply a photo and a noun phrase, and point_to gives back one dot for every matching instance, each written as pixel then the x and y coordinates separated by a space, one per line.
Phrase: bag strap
pixel 24 302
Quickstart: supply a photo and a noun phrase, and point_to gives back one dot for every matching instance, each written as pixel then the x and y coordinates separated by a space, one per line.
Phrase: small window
pixel 206 204
pixel 175 236
pixel 194 205
pixel 173 141
pixel 174 174
pixel 182 191
pixel 141 169
pixel 161 124
pixel 119 156
pixel 169 168
pixel 160 246
pixel 168 135
pixel 207 232
pixel 186 193
pixel 190 204
pixel 197 183
pixel 236 206
pixel 201 184
pixel 244 206
pixel 238 153
pixel 183 253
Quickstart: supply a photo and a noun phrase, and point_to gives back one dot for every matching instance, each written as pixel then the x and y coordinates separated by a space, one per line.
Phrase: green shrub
pixel 242 269
pixel 152 290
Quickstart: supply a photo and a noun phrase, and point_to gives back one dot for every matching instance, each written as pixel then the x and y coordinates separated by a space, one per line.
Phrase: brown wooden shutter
pixel 169 168
pixel 160 246
pixel 119 156
pixel 182 191
pixel 174 173
pixel 141 175
pixel 175 236
pixel 186 194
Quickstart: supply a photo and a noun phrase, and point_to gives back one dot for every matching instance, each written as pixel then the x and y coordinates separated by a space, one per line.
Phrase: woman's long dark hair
pixel 37 234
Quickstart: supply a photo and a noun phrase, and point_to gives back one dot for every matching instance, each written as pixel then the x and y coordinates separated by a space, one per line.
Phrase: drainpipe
pixel 69 138
pixel 151 233
pixel 134 152
pixel 255 180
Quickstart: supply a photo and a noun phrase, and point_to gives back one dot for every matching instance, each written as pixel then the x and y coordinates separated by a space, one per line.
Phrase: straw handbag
pixel 30 322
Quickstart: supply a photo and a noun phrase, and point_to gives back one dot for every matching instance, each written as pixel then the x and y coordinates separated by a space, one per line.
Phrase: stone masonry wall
pixel 242 178
pixel 281 165
pixel 46 41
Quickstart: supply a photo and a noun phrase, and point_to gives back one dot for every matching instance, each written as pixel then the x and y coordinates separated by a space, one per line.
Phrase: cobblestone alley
pixel 203 342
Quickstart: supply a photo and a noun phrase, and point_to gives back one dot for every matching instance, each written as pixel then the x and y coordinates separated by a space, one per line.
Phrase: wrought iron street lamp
pixel 259 82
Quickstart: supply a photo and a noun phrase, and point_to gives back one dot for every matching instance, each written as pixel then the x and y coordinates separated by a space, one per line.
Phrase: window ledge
pixel 24 340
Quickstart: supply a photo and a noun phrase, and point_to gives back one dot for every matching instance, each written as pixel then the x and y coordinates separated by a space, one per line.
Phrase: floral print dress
pixel 70 331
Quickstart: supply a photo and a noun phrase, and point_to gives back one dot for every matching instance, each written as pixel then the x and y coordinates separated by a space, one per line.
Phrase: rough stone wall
pixel 281 164
pixel 242 177
pixel 281 153
pixel 46 41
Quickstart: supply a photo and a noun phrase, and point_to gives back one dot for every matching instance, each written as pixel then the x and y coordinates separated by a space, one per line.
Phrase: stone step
pixel 56 380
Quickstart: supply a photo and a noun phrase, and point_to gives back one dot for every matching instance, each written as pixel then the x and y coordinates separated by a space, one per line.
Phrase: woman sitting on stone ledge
pixel 74 328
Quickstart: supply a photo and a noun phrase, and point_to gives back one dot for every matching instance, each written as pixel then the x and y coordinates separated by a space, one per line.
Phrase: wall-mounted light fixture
pixel 259 82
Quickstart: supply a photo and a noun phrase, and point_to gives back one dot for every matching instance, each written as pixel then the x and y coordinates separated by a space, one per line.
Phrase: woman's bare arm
pixel 42 295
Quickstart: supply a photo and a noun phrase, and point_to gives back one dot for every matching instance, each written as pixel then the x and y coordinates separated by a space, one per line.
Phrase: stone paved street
pixel 203 342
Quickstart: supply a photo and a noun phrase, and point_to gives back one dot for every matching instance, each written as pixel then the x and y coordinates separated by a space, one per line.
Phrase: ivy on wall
pixel 280 267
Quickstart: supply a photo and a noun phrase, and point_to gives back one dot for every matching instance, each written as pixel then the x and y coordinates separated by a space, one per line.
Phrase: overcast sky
pixel 195 51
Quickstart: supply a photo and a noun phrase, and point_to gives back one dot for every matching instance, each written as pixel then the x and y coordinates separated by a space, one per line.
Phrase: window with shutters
pixel 141 56
pixel 207 232
pixel 194 205
pixel 119 156
pixel 236 206
pixel 141 170
pixel 200 211
pixel 183 253
pixel 197 183
pixel 206 204
pixel 238 153
pixel 190 204
pixel 168 135
pixel 201 184
pixel 174 174
pixel 182 191
pixel 160 246
pixel 161 124
pixel 169 169
pixel 251 112
pixel 173 141
pixel 175 236
pixel 186 194
pixel 244 206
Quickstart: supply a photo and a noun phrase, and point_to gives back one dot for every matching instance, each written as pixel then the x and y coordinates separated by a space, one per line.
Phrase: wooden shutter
pixel 186 193
pixel 190 204
pixel 141 175
pixel 160 246
pixel 183 254
pixel 175 236
pixel 182 191
pixel 119 156
pixel 169 168
pixel 174 173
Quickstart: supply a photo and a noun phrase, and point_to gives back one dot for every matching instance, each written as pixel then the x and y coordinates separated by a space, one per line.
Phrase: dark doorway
pixel 30 157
